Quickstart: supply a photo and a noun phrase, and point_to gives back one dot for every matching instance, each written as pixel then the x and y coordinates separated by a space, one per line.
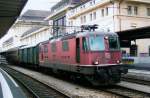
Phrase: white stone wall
pixel 143 46
pixel 15 31
pixel 36 37
pixel 125 21
pixel 117 18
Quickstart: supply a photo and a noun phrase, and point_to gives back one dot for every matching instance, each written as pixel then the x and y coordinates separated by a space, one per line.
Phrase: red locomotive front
pixel 100 49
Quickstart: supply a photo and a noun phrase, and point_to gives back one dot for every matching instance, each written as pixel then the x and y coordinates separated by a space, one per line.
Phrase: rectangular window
pixel 132 10
pixel 71 23
pixel 96 43
pixel 45 49
pixel 81 19
pixel 84 44
pixel 93 1
pixel 40 49
pixel 64 20
pixel 129 9
pixel 94 17
pixel 102 12
pixel 113 43
pixel 57 23
pixel 65 46
pixel 148 11
pixel 83 6
pixel 53 47
pixel 91 17
pixel 84 18
pixel 107 11
pixel 135 10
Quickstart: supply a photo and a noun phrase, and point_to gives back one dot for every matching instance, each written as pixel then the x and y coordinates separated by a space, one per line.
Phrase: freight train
pixel 94 55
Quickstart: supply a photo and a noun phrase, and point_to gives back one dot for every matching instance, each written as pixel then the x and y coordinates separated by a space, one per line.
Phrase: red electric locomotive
pixel 90 54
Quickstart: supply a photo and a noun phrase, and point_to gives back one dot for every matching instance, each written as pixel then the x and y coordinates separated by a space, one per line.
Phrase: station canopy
pixel 9 11
pixel 133 34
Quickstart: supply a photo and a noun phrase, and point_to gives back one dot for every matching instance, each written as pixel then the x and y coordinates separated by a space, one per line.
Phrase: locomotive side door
pixel 78 50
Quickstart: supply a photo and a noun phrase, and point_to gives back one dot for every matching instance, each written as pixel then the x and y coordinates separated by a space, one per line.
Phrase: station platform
pixel 8 87
pixel 140 63
pixel 140 66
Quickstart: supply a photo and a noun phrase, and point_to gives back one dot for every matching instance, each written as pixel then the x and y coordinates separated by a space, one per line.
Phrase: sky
pixel 35 5
pixel 39 4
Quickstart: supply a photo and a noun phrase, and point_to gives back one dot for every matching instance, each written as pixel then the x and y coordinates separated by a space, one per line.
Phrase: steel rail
pixel 126 92
pixel 38 89
pixel 138 81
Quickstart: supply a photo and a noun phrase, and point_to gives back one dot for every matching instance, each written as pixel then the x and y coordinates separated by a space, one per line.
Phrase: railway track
pixel 138 81
pixel 126 92
pixel 135 80
pixel 130 92
pixel 38 89
pixel 117 90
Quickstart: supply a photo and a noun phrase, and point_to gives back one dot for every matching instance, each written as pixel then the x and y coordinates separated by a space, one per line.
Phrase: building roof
pixel 61 7
pixel 10 40
pixel 65 2
pixel 82 3
pixel 30 31
pixel 34 15
pixel 59 4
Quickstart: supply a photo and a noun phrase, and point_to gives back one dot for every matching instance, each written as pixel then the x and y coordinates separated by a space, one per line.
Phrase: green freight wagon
pixel 35 55
pixel 30 55
pixel 20 56
pixel 24 54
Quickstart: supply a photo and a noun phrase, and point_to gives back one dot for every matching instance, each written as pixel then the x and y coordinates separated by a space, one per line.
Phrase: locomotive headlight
pixel 96 62
pixel 118 61
pixel 106 37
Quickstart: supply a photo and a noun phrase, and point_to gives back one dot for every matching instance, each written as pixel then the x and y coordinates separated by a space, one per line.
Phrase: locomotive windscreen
pixel 113 43
pixel 96 43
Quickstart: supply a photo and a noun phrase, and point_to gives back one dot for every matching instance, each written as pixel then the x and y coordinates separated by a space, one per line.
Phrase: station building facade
pixel 114 16
pixel 35 35
pixel 58 16
pixel 29 20
pixel 54 24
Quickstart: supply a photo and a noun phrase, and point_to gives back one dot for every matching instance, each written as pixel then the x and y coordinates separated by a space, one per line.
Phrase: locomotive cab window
pixel 45 49
pixel 65 46
pixel 96 43
pixel 113 43
pixel 84 44
pixel 40 49
pixel 53 47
